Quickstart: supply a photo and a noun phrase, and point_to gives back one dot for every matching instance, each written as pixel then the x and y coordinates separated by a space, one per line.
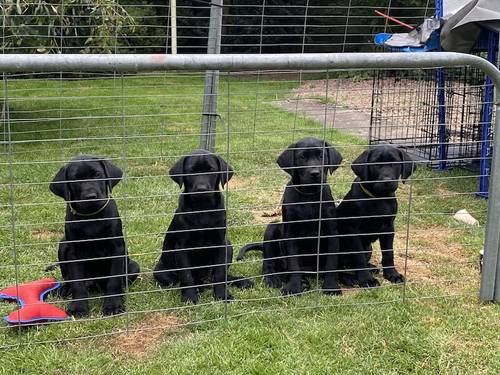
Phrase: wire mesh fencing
pixel 144 124
pixel 264 26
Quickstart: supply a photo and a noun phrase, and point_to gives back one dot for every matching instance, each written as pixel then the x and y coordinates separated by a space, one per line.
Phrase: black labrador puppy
pixel 196 248
pixel 367 214
pixel 291 248
pixel 92 253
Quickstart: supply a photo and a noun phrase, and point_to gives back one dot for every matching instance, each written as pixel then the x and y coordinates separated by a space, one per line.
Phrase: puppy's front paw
pixel 189 296
pixel 273 281
pixel 292 288
pixel 393 276
pixel 113 306
pixel 369 282
pixel 366 279
pixel 165 278
pixel 332 289
pixel 244 283
pixel 64 291
pixel 347 279
pixel 78 308
pixel 373 268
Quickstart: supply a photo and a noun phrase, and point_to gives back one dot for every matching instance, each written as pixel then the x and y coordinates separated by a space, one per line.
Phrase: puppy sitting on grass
pixel 367 214
pixel 196 249
pixel 306 242
pixel 92 253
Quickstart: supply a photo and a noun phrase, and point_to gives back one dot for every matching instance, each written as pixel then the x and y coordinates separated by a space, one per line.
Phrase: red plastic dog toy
pixel 33 308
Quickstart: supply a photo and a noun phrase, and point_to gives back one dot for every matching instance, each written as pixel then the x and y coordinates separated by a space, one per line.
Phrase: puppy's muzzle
pixel 389 183
pixel 205 188
pixel 315 174
pixel 90 196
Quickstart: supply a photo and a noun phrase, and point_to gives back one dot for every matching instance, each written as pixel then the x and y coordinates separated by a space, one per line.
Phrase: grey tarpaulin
pixel 461 29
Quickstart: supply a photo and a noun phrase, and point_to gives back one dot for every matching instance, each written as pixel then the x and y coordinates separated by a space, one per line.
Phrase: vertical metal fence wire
pixel 145 122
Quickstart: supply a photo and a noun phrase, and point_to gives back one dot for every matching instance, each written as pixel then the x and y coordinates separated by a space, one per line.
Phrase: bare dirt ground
pixel 350 120
pixel 44 234
pixel 143 338
pixel 349 93
pixel 342 104
pixel 434 258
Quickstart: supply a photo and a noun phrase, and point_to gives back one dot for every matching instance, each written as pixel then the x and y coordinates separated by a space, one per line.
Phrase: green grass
pixel 441 327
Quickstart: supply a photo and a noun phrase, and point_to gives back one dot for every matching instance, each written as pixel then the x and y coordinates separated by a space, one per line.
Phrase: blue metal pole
pixel 486 117
pixel 440 78
pixel 439 8
pixel 442 139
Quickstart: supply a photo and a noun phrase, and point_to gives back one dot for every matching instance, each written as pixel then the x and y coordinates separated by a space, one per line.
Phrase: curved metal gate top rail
pixel 490 281
pixel 156 62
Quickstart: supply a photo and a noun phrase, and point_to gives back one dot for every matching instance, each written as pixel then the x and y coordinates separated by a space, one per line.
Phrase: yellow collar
pixel 366 191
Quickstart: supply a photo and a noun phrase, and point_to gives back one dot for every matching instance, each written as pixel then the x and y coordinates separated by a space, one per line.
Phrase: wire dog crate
pixel 406 113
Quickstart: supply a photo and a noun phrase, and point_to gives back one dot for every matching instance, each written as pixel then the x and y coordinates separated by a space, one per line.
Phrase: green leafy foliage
pixel 48 26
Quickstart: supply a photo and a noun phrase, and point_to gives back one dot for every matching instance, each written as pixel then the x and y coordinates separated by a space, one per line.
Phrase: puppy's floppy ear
pixel 177 171
pixel 286 160
pixel 112 172
pixel 58 185
pixel 360 167
pixel 225 171
pixel 408 166
pixel 334 158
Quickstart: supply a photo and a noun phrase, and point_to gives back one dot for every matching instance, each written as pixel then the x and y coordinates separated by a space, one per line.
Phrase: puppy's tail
pixel 250 246
pixel 52 267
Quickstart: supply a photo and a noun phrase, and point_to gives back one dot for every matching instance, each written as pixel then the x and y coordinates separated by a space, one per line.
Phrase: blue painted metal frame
pixel 440 92
pixel 486 118
pixel 442 141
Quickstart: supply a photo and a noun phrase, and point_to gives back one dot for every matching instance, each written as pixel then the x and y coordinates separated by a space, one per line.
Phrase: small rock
pixel 465 217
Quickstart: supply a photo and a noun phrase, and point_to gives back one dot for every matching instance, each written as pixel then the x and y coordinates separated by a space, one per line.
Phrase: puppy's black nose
pixel 91 196
pixel 203 188
pixel 314 174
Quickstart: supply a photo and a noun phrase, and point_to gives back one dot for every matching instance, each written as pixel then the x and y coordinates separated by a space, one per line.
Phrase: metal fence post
pixel 490 278
pixel 209 114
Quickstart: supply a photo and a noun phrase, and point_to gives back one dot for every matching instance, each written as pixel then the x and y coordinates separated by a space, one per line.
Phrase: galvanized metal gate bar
pixel 227 62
